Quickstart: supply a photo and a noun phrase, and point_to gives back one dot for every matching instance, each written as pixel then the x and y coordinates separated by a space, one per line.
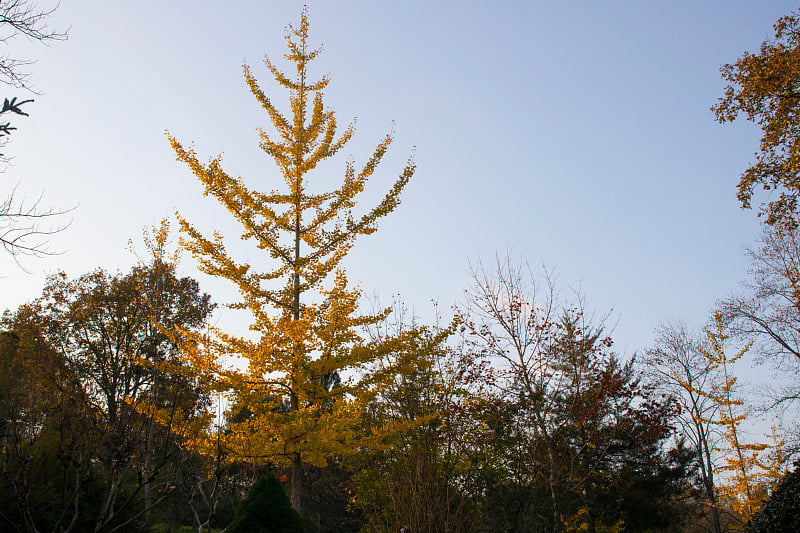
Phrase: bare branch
pixel 25 228
pixel 768 310
pixel 24 18
pixel 21 18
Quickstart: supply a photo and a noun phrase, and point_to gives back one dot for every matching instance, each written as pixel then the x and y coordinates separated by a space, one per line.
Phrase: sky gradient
pixel 574 134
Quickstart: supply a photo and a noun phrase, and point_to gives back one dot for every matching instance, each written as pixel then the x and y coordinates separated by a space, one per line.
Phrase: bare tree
pixel 769 310
pixel 678 368
pixel 511 315
pixel 571 403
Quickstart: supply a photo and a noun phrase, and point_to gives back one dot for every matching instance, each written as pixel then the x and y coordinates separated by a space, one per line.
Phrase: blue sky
pixel 577 134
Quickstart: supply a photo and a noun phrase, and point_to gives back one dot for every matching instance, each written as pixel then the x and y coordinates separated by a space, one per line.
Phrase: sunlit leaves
pixel 306 373
pixel 765 88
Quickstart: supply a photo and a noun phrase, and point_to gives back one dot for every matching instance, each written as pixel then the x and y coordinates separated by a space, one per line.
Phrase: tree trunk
pixel 552 481
pixel 708 474
pixel 297 484
pixel 297 464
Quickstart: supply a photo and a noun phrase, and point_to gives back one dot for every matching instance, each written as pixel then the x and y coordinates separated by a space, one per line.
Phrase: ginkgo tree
pixel 744 461
pixel 742 458
pixel 307 370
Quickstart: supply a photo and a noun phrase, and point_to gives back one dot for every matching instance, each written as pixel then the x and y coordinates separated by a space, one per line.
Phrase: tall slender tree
pixel 309 371
pixel 677 367
pixel 742 459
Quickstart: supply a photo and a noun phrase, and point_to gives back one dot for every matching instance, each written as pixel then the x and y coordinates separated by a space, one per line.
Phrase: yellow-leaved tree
pixel 742 460
pixel 310 368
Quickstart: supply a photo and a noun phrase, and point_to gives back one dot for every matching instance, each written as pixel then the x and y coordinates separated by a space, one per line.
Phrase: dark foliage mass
pixel 81 367
pixel 781 512
pixel 266 509
pixel 77 452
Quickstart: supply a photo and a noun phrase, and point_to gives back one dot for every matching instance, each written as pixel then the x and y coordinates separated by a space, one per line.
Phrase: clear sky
pixel 573 133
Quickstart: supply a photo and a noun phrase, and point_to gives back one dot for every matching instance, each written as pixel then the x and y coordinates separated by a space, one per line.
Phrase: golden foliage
pixel 743 461
pixel 764 88
pixel 307 372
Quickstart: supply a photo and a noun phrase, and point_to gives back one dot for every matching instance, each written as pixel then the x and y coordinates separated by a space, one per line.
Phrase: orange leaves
pixel 763 88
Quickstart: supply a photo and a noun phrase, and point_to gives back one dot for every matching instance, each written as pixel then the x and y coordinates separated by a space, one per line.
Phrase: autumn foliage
pixel 763 88
pixel 302 379
pixel 121 409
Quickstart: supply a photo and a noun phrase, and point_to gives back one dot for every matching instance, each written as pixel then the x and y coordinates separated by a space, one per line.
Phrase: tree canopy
pixel 765 88
pixel 309 370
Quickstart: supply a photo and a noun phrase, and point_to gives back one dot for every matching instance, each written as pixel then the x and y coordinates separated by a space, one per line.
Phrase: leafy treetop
pixel 765 88
pixel 309 370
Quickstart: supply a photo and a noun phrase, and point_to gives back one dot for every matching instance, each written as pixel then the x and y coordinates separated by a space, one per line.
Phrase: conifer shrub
pixel 781 512
pixel 266 509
